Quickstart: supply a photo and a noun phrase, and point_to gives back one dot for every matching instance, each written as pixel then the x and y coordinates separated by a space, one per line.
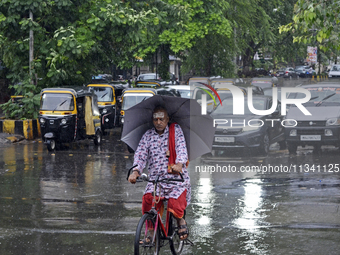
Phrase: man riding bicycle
pixel 164 149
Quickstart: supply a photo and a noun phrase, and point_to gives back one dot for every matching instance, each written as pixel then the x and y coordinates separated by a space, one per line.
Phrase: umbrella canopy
pixel 197 128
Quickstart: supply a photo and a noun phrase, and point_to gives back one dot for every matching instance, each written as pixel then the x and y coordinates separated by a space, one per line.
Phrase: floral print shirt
pixel 152 150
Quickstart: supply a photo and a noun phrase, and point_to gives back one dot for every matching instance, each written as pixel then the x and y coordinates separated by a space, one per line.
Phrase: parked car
pixel 290 73
pixel 320 128
pixel 257 90
pixel 280 72
pixel 287 72
pixel 102 78
pixel 225 92
pixel 269 92
pixel 183 90
pixel 148 76
pixel 237 134
pixel 264 82
pixel 149 84
pixel 334 72
pixel 304 71
pixel 152 76
pixel 221 82
pixel 198 90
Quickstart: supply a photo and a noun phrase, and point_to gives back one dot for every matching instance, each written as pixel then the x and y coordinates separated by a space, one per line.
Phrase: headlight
pixel 63 121
pixel 333 122
pixel 104 111
pixel 42 120
pixel 290 123
pixel 122 120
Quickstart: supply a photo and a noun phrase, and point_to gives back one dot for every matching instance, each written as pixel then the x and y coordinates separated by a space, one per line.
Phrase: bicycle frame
pixel 164 229
pixel 153 217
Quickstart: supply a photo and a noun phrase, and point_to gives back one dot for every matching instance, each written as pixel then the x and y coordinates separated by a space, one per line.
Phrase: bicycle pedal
pixel 188 242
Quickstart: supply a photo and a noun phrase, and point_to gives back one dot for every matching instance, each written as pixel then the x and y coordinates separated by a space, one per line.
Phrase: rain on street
pixel 77 201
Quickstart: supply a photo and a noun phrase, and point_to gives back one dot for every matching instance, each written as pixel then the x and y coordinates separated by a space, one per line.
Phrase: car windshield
pixel 269 92
pixel 320 96
pixel 336 68
pixel 200 92
pixel 184 93
pixel 57 102
pixel 223 94
pixel 227 106
pixel 133 99
pixel 149 77
pixel 104 94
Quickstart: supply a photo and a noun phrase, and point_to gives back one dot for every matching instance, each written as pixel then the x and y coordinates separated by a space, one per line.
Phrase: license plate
pixel 310 138
pixel 224 139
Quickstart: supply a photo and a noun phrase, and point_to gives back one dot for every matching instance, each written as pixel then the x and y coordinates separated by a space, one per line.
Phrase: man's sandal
pixel 183 233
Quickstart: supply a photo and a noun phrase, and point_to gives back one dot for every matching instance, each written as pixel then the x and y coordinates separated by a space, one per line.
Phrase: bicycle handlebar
pixel 144 177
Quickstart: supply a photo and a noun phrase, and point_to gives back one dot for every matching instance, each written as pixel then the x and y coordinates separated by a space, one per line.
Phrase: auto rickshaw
pixel 133 96
pixel 66 116
pixel 109 103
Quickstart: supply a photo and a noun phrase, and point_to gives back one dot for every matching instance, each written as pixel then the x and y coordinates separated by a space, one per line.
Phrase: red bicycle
pixel 151 234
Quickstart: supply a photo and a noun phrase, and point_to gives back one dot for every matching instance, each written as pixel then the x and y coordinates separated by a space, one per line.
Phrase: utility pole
pixel 31 43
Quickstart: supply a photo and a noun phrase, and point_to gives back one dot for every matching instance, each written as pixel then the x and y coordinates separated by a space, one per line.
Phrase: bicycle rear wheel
pixel 144 243
pixel 176 244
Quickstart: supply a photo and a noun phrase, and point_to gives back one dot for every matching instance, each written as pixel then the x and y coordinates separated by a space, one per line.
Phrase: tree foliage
pixel 316 20
pixel 73 38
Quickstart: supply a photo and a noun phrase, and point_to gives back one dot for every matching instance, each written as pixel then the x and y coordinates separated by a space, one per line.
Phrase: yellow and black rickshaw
pixel 66 116
pixel 133 96
pixel 109 102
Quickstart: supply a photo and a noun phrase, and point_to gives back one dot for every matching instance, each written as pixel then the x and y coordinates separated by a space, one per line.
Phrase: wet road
pixel 77 201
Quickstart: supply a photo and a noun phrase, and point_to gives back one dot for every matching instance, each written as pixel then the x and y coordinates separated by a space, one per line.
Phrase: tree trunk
pixel 31 46
pixel 248 58
pixel 164 66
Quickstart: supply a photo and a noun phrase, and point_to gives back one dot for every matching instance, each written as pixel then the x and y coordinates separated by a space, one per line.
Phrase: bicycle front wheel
pixel 147 239
pixel 176 244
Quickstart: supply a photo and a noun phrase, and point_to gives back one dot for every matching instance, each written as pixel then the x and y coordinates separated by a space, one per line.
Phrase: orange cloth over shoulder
pixel 172 147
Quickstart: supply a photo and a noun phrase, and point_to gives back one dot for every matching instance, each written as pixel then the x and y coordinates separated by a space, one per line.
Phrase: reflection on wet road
pixel 77 200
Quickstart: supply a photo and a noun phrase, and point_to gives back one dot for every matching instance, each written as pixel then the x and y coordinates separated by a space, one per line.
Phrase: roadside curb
pixel 30 129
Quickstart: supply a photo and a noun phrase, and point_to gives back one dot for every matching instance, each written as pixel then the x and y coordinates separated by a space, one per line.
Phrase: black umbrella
pixel 197 128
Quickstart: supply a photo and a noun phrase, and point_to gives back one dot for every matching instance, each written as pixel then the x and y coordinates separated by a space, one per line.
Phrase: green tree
pixel 210 56
pixel 283 49
pixel 176 35
pixel 316 20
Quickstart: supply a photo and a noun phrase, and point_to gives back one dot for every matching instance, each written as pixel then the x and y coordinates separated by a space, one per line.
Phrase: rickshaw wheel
pixel 51 145
pixel 98 138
